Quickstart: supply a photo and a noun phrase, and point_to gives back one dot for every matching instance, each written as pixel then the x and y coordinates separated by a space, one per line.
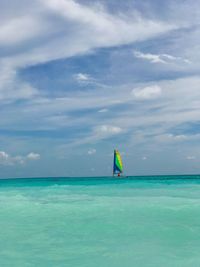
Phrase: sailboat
pixel 117 164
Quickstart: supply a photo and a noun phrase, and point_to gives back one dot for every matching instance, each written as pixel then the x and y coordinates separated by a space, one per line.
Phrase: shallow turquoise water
pixel 100 222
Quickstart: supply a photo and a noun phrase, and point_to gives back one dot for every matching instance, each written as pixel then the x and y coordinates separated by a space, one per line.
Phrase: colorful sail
pixel 117 165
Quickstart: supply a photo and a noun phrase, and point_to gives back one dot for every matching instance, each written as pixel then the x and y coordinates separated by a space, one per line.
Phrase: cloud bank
pixel 6 159
pixel 79 74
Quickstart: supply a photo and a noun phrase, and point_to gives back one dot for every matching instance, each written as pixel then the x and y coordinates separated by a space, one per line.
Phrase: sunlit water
pixel 100 222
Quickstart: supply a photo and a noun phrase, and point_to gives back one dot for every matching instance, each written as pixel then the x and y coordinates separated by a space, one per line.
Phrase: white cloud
pixel 81 77
pixel 179 137
pixel 144 158
pixel 98 133
pixel 61 29
pixel 11 88
pixel 103 110
pixel 107 130
pixel 91 26
pixel 168 137
pixel 106 29
pixel 33 156
pixel 177 105
pixel 149 92
pixel 160 58
pixel 3 155
pixel 17 30
pixel 152 58
pixel 92 151
pixel 190 157
pixel 18 160
pixel 6 159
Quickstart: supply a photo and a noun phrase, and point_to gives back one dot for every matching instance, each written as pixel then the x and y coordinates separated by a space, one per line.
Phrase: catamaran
pixel 117 164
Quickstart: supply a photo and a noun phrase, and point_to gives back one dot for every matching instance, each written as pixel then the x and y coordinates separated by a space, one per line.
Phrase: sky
pixel 81 78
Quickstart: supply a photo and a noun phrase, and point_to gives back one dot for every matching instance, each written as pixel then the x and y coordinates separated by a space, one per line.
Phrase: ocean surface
pixel 100 222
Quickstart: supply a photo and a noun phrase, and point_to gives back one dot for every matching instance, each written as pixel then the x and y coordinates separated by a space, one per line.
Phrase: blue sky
pixel 80 78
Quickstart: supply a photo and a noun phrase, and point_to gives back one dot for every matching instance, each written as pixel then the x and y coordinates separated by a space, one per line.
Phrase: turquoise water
pixel 100 222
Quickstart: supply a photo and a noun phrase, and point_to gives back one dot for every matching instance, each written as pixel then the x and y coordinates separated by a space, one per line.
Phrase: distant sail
pixel 117 164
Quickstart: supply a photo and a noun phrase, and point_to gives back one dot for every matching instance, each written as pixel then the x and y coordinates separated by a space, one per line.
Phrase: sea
pixel 100 222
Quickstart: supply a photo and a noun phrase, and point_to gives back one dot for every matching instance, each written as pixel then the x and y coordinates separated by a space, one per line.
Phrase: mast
pixel 114 162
